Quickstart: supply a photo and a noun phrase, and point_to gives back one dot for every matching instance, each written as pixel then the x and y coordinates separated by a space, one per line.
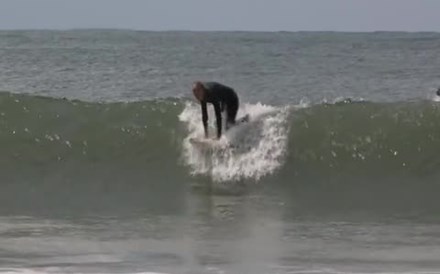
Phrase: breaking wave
pixel 339 139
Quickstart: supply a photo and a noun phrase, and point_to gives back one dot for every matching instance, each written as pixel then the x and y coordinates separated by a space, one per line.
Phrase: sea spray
pixel 249 151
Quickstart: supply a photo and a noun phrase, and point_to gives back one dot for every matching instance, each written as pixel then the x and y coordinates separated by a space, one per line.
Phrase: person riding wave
pixel 222 97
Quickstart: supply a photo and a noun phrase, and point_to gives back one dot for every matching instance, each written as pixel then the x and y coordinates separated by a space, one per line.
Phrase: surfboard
pixel 208 142
pixel 203 142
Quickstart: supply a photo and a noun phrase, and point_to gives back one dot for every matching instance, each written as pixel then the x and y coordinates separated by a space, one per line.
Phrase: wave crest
pixel 249 151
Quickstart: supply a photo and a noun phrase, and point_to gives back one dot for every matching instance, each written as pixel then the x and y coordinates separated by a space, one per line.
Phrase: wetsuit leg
pixel 231 112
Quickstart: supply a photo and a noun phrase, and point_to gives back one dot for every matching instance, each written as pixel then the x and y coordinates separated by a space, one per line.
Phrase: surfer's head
pixel 199 91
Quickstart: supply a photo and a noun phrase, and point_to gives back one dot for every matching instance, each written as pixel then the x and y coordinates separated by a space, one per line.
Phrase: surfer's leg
pixel 231 114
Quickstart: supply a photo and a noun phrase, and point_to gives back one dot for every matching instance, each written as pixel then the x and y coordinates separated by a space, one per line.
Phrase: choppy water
pixel 337 170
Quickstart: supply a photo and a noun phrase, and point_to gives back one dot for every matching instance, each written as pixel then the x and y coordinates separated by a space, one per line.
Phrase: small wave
pixel 345 138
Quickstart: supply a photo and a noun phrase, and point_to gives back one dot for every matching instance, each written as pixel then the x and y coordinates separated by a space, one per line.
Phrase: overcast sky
pixel 255 15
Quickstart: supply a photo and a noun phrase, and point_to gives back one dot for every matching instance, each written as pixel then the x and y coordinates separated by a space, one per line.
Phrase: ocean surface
pixel 337 171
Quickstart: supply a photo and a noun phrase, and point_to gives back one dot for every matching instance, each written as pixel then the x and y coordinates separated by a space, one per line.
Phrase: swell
pixel 32 126
pixel 345 139
pixel 366 139
pixel 47 137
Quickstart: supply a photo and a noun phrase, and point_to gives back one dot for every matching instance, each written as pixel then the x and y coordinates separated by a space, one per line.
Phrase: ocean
pixel 337 170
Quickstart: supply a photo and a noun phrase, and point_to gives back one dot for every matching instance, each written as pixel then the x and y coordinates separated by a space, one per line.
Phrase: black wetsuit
pixel 222 98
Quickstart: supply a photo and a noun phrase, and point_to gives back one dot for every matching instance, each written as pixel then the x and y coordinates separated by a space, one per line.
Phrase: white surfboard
pixel 209 142
pixel 202 141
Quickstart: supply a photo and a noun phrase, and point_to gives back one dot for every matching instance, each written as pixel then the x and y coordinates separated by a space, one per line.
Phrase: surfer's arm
pixel 218 116
pixel 205 118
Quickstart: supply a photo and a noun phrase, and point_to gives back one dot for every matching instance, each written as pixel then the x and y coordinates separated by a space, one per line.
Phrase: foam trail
pixel 51 270
pixel 249 151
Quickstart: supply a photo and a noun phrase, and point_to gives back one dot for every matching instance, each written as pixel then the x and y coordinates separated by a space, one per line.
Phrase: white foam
pixel 53 270
pixel 249 151
pixel 48 270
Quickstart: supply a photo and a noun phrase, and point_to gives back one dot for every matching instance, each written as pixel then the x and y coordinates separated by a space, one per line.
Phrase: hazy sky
pixel 260 15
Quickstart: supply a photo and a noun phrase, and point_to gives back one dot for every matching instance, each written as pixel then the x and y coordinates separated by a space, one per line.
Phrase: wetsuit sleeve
pixel 205 118
pixel 218 116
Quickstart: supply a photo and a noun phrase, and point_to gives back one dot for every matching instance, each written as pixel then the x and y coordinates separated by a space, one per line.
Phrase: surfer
pixel 222 97
pixel 438 91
